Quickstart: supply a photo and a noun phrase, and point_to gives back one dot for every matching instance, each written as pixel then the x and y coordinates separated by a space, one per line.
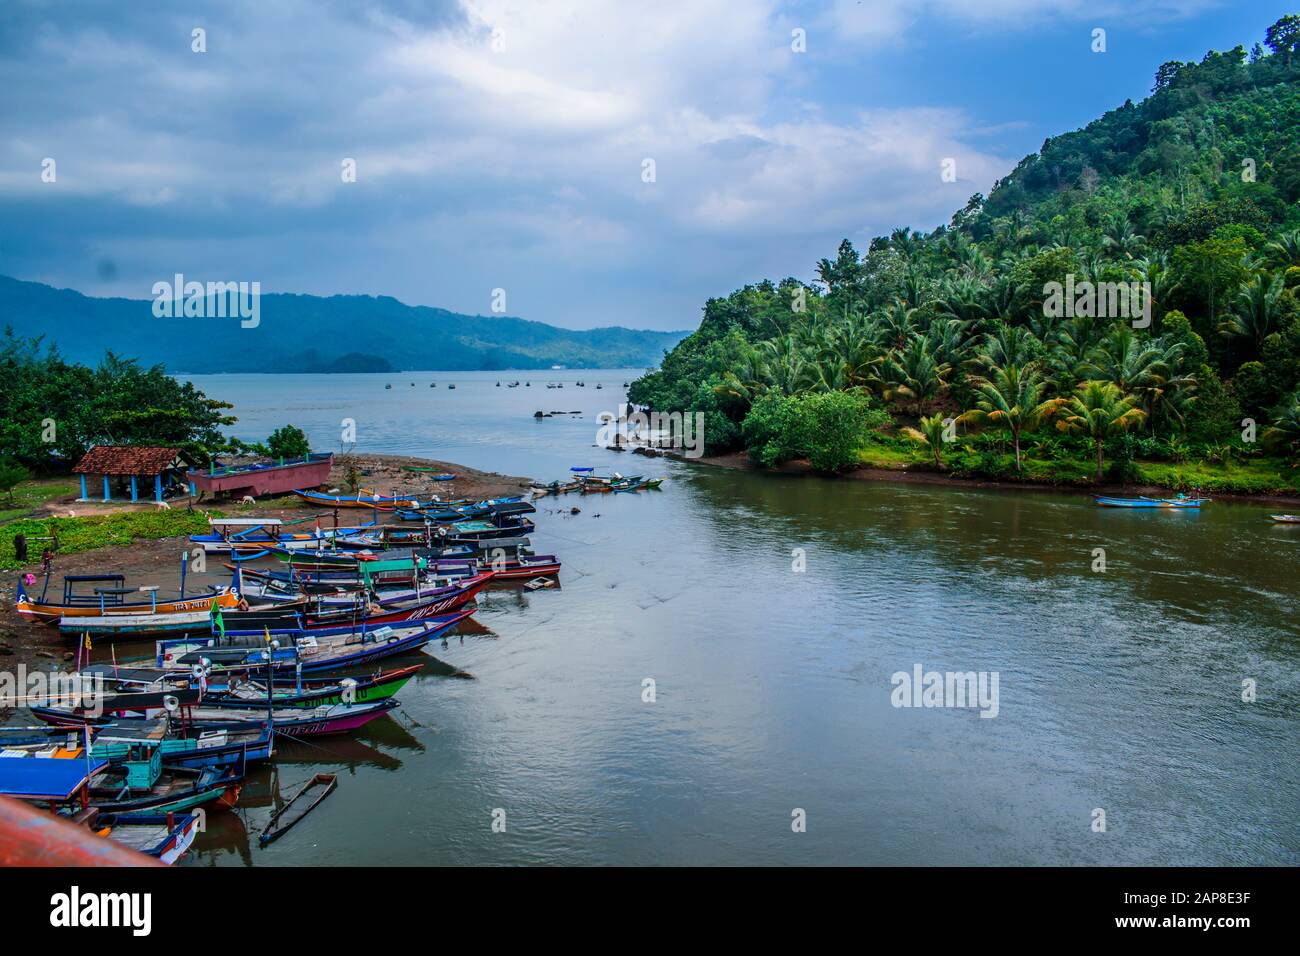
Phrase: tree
pixel 12 475
pixel 1011 400
pixel 1099 410
pixel 1283 37
pixel 1285 432
pixel 930 436
pixel 1214 268
pixel 288 442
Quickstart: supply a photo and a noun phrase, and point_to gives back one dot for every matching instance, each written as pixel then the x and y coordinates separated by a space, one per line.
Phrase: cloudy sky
pixel 504 144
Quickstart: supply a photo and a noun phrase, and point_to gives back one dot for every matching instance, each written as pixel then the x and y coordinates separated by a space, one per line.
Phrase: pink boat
pixel 270 479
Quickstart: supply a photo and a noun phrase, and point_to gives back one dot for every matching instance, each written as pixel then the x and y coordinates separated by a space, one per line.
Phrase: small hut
pixel 120 469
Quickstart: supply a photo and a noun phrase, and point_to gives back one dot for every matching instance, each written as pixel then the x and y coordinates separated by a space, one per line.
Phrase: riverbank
pixel 144 543
pixel 919 475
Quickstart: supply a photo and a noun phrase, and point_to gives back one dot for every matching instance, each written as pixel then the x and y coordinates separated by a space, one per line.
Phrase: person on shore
pixel 20 548
pixel 47 558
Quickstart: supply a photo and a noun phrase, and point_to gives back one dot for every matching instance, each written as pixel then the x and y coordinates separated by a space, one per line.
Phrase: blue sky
pixel 502 144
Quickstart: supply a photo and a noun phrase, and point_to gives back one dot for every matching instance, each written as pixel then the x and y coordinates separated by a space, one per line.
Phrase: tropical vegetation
pixel 1124 304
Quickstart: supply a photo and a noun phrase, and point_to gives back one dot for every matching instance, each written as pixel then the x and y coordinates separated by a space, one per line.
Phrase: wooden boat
pixel 258 534
pixel 164 836
pixel 361 690
pixel 359 500
pixel 140 784
pixel 374 610
pixel 1286 519
pixel 111 600
pixel 284 819
pixel 308 652
pixel 1142 501
pixel 63 786
pixel 130 626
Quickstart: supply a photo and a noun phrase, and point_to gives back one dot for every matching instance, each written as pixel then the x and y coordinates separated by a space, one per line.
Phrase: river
pixel 771 614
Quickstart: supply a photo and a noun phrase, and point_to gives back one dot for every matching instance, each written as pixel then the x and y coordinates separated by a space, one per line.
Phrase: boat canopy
pixel 35 779
pixel 245 522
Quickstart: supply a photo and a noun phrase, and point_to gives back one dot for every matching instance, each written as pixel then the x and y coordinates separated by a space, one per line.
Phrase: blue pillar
pixel 84 495
pixel 157 487
pixel 107 496
pixel 135 494
pixel 193 490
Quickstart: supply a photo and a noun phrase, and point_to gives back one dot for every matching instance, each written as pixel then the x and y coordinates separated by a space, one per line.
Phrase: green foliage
pixel 828 428
pixel 43 397
pixel 288 442
pixel 12 475
pixel 101 531
pixel 1191 192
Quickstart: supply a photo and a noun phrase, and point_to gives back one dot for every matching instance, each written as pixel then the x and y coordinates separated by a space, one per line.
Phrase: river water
pixel 1118 692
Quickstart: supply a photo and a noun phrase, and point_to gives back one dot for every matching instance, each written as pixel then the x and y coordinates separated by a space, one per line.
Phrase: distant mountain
pixel 307 333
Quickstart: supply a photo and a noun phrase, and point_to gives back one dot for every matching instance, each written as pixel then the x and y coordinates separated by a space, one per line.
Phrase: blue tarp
pixel 46 778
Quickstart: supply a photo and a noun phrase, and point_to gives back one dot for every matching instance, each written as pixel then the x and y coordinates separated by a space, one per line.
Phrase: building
pixel 120 471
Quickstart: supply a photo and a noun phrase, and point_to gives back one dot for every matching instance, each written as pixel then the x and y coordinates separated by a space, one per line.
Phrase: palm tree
pixel 1099 410
pixel 1284 252
pixel 1122 240
pixel 1008 345
pixel 929 435
pixel 914 373
pixel 1011 400
pixel 1133 364
pixel 1285 432
pixel 1257 310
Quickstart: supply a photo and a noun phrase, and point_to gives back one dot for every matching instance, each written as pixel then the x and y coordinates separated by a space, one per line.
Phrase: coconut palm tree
pixel 1012 400
pixel 1133 364
pixel 1283 252
pixel 1099 410
pixel 929 436
pixel 1122 240
pixel 913 373
pixel 1285 432
pixel 1257 310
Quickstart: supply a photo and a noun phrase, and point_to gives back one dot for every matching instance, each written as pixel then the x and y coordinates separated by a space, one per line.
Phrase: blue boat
pixel 1141 501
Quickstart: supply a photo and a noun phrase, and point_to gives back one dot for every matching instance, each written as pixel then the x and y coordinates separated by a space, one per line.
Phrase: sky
pixel 602 163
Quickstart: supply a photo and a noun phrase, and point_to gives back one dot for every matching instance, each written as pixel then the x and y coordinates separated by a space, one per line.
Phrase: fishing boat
pixel 131 626
pixel 63 786
pixel 1181 501
pixel 306 652
pixel 1286 519
pixel 249 535
pixel 289 815
pixel 359 500
pixel 139 784
pixel 108 597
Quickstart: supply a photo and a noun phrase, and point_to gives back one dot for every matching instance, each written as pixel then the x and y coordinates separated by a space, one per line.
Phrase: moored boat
pixel 1179 502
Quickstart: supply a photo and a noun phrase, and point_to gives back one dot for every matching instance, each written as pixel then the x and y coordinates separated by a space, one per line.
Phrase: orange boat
pixel 111 599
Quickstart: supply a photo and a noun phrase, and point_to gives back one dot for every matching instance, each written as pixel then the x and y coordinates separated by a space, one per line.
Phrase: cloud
pixel 496 144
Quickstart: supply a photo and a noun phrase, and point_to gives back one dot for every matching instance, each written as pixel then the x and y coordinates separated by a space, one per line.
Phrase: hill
pixel 1188 198
pixel 305 333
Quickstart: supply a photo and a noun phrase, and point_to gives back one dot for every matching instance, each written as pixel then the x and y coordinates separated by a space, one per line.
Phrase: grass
pixel 98 531
pixel 31 495
pixel 1256 476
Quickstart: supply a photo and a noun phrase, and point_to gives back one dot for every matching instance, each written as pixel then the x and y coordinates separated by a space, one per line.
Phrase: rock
pixel 538 415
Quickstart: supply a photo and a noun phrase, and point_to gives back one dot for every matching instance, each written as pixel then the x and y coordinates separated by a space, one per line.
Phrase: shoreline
pixel 740 461
pixel 157 560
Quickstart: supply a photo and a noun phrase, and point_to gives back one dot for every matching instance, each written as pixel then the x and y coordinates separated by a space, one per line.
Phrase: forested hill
pixel 1193 190
pixel 306 333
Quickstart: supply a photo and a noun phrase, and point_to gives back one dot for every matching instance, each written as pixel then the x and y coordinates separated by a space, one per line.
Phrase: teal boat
pixel 1141 501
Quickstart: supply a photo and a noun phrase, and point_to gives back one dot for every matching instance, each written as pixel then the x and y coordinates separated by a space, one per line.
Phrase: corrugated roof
pixel 126 460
